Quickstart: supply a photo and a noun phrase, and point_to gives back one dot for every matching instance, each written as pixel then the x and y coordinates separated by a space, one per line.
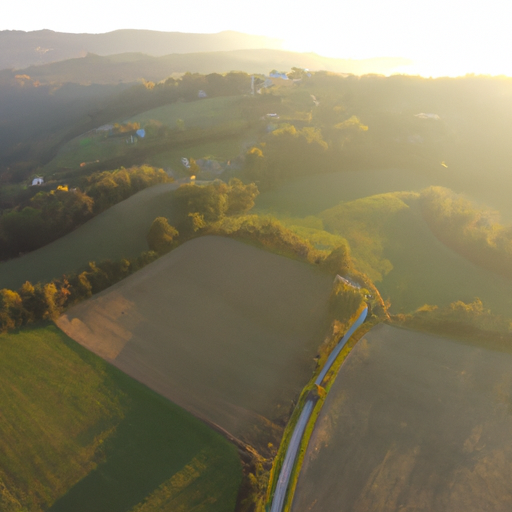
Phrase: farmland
pixel 412 422
pixel 226 330
pixel 73 426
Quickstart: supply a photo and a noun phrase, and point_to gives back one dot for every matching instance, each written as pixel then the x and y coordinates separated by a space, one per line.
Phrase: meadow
pixel 224 329
pixel 74 427
pixel 412 422
pixel 208 113
pixel 388 236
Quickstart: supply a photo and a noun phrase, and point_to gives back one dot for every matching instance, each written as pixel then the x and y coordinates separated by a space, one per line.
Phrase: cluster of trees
pixel 33 303
pixel 50 215
pixel 473 232
pixel 285 153
pixel 345 300
pixel 196 205
pixel 471 321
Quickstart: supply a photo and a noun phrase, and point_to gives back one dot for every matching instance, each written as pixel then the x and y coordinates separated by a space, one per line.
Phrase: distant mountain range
pixel 132 67
pixel 131 55
pixel 20 49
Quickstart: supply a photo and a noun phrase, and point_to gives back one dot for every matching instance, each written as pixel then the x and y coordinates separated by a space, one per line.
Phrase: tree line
pixel 473 232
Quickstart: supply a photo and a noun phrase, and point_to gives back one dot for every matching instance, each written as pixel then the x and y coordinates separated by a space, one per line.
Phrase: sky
pixel 449 37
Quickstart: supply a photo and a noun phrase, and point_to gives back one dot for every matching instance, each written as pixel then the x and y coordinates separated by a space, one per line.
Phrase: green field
pixel 412 422
pixel 224 329
pixel 207 113
pixel 388 236
pixel 204 113
pixel 116 233
pixel 78 435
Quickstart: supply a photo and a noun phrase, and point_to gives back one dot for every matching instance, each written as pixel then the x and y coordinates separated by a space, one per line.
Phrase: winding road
pixel 300 427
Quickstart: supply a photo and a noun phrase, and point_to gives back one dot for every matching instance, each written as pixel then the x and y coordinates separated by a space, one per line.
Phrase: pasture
pixel 224 329
pixel 391 241
pixel 389 238
pixel 79 435
pixel 208 113
pixel 119 232
pixel 412 422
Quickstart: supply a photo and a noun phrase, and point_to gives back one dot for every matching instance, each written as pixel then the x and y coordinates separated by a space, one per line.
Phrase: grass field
pixel 78 435
pixel 118 232
pixel 222 328
pixel 389 239
pixel 206 113
pixel 412 422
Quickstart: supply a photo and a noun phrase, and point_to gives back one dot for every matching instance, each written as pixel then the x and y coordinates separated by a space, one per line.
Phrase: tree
pixel 161 236
pixel 240 197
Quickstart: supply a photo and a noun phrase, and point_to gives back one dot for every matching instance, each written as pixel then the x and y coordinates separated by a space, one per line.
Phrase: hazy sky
pixel 444 37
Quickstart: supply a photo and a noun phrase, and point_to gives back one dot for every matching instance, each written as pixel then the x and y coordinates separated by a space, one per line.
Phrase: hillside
pixel 135 66
pixel 73 426
pixel 20 49
pixel 221 328
pixel 412 422
pixel 119 232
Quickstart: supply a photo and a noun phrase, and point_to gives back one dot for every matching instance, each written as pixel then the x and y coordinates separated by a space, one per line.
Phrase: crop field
pixel 412 422
pixel 79 435
pixel 119 232
pixel 224 329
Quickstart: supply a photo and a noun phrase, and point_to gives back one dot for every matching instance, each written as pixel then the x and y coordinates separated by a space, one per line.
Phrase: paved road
pixel 298 432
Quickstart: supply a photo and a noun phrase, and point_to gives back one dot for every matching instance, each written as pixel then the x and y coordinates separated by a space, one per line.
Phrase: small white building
pixel 37 181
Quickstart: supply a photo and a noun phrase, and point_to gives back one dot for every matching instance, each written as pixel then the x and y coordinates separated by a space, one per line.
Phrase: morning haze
pixel 255 257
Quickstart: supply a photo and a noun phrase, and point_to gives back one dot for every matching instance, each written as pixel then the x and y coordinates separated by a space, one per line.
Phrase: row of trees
pixel 33 303
pixel 459 319
pixel 50 215
pixel 473 232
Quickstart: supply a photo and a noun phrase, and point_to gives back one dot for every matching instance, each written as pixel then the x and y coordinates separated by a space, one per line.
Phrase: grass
pixel 116 233
pixel 226 330
pixel 204 113
pixel 389 239
pixel 77 434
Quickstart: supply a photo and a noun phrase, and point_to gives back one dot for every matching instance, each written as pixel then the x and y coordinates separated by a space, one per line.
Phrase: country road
pixel 300 427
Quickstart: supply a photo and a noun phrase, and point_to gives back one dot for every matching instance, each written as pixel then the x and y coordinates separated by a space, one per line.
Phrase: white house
pixel 37 181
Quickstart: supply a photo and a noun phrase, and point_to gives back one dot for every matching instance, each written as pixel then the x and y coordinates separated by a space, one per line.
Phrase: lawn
pixel 412 422
pixel 77 434
pixel 222 328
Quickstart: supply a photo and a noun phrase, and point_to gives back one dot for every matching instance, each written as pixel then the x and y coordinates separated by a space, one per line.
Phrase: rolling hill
pixel 20 49
pixel 221 328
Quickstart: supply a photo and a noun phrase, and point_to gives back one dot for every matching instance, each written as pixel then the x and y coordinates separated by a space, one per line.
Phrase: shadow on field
pixel 153 442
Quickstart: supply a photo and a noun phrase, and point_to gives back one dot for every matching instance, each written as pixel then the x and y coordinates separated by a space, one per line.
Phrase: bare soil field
pixel 412 422
pixel 224 329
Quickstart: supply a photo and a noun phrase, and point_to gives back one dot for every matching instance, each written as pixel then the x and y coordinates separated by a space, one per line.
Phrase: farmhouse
pixel 37 181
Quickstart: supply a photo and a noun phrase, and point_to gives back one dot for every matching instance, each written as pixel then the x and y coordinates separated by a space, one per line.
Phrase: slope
pixel 119 232
pixel 221 328
pixel 77 434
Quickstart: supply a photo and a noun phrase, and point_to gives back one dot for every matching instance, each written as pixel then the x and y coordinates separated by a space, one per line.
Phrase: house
pixel 201 94
pixel 37 181
pixel 346 281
